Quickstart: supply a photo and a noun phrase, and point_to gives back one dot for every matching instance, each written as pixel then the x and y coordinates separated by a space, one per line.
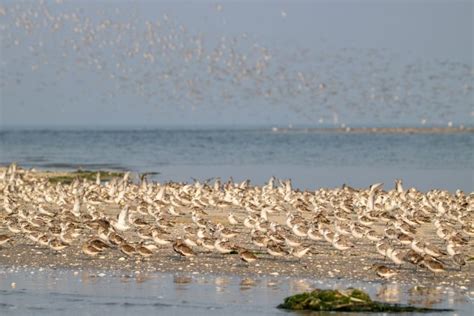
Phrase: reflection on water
pixel 247 283
pixel 389 293
pixel 429 297
pixel 181 279
pixel 60 292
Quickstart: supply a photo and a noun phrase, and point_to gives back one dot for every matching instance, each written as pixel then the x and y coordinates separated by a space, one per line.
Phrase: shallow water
pixel 61 292
pixel 311 159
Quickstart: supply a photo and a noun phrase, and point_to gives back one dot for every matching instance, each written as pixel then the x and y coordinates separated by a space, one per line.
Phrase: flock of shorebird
pixel 135 50
pixel 273 220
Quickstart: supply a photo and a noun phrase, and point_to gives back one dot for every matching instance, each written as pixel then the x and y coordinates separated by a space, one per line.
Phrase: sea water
pixel 70 292
pixel 312 159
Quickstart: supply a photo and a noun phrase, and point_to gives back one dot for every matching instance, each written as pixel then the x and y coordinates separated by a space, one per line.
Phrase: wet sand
pixel 323 263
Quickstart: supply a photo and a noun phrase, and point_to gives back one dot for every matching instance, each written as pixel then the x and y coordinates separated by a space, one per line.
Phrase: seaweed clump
pixel 67 178
pixel 350 300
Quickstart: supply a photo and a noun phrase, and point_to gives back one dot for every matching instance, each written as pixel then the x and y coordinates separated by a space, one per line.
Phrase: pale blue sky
pixel 342 62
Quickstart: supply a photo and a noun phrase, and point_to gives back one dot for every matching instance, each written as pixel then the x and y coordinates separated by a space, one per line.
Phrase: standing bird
pixel 385 272
pixel 182 249
pixel 459 260
pixel 247 256
pixel 4 239
pixel 432 264
pixel 90 250
pixel 122 223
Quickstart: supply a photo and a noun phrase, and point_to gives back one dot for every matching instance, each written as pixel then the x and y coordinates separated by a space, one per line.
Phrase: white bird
pixel 76 210
pixel 122 223
pixel 232 219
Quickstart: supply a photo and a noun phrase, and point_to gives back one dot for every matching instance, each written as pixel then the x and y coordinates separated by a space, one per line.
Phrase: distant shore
pixel 381 130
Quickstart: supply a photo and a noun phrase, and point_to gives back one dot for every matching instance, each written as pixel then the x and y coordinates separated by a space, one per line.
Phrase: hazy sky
pixel 108 63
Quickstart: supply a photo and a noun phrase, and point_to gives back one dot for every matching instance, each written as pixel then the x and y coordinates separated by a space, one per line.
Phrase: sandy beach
pixel 323 260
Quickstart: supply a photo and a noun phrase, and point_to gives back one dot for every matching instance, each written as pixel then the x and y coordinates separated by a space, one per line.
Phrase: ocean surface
pixel 311 159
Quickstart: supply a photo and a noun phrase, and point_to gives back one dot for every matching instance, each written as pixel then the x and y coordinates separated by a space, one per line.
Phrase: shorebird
pixel 450 249
pixel 313 234
pixel 275 250
pixel 372 236
pixel 413 257
pixel 159 238
pixel 372 190
pixel 183 250
pixel 432 264
pixel 468 230
pixel 200 222
pixel 232 219
pixel 390 233
pixel 276 237
pixel 341 243
pixel 382 248
pixel 395 256
pixel 44 240
pixel 99 244
pixel 299 230
pixel 459 260
pixel 4 239
pixel 365 221
pixel 223 246
pixel 375 187
pixel 399 186
pixel 418 247
pixel 357 231
pixel 225 232
pixel 76 210
pixel 144 251
pixel 299 252
pixel 90 250
pixel 250 222
pixel 116 239
pixel 206 242
pixel 385 272
pixel 57 245
pixel 259 241
pixel 328 235
pixel 190 241
pixel 291 242
pixel 433 251
pixel 33 236
pixel 13 226
pixel 127 249
pixel 404 239
pixel 122 223
pixel 342 229
pixel 405 228
pixel 247 256
pixel 145 233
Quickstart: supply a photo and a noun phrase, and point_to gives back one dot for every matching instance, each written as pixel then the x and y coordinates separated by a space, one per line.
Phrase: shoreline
pixel 322 261
pixel 322 266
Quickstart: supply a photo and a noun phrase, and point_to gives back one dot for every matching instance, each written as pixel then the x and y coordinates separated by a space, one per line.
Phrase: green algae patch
pixel 350 300
pixel 69 177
